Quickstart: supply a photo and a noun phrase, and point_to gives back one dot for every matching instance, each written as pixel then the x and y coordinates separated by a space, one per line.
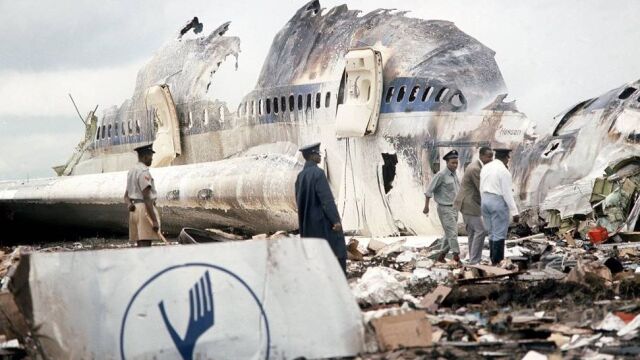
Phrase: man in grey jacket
pixel 468 203
pixel 443 189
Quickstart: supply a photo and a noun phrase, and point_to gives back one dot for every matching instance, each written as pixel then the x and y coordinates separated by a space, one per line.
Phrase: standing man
pixel 468 203
pixel 498 204
pixel 144 220
pixel 443 189
pixel 317 212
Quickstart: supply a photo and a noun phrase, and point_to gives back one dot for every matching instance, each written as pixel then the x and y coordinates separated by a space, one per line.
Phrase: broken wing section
pixel 254 193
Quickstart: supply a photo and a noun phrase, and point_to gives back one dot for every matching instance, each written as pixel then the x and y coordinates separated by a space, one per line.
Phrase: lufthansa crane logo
pixel 215 314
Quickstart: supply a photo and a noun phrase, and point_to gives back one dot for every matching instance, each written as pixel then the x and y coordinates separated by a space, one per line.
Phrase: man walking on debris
pixel 317 212
pixel 144 220
pixel 468 203
pixel 443 189
pixel 497 202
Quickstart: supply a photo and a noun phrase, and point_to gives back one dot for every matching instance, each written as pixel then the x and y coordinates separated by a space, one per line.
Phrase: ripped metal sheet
pixel 242 300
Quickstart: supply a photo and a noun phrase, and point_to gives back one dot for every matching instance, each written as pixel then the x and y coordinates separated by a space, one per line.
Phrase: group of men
pixel 485 199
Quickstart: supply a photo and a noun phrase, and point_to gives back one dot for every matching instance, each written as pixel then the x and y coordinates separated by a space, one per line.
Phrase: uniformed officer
pixel 144 219
pixel 317 212
pixel 443 189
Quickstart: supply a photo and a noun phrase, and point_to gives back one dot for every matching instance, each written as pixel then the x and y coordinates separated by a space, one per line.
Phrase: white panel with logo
pixel 358 114
pixel 277 299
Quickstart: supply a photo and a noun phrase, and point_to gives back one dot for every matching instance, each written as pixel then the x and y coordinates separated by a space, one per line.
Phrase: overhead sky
pixel 552 54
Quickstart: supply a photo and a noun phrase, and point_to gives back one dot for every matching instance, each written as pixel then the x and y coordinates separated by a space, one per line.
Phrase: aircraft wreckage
pixel 387 95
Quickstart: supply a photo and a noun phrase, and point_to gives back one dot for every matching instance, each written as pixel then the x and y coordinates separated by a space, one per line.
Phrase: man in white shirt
pixel 498 204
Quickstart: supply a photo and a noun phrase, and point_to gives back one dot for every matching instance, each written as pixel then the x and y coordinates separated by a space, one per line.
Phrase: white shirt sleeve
pixel 507 191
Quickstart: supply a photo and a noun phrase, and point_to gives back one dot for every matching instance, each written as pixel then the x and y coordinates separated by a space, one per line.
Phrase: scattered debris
pixel 403 331
pixel 555 296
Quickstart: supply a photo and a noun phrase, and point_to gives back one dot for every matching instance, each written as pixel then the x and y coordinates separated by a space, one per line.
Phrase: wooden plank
pixel 12 323
pixel 491 270
pixel 432 300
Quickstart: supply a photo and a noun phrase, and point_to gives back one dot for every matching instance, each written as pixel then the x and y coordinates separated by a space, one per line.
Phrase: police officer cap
pixel 500 152
pixel 453 154
pixel 144 149
pixel 310 149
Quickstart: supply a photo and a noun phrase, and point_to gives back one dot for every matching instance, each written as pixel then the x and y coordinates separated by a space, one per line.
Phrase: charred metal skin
pixel 557 172
pixel 440 89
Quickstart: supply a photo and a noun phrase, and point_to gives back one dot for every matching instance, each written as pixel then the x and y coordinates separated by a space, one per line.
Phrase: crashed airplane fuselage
pixel 595 138
pixel 387 96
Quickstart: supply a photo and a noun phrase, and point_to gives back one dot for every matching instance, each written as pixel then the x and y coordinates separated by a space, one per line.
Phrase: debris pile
pixel 552 297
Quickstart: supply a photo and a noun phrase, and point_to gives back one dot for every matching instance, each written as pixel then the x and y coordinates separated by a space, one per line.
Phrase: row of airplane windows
pixel 456 100
pixel 277 105
pixel 104 131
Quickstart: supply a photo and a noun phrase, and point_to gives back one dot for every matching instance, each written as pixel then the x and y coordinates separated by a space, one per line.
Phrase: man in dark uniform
pixel 317 212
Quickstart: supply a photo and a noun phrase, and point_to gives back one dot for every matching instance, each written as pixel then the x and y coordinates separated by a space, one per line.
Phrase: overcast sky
pixel 552 54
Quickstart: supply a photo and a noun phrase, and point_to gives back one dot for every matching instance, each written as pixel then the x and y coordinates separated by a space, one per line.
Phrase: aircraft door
pixel 163 111
pixel 358 114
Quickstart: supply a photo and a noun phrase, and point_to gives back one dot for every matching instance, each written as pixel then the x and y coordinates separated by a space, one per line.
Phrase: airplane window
pixel 129 126
pixel 389 95
pixel 283 103
pixel 268 106
pixel 260 107
pixel 122 129
pixel 308 101
pixel 115 131
pixel 327 100
pixel 98 134
pixel 414 93
pixel 291 104
pixel 253 107
pixel 137 126
pixel 427 93
pixel 104 130
pixel 400 94
pixel 442 94
pixel 109 131
pixel 317 100
pixel 246 108
pixel 275 105
pixel 626 93
pixel 457 100
pixel 299 102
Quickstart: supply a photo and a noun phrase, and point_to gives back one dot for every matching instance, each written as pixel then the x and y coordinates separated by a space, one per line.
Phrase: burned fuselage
pixel 387 96
pixel 595 138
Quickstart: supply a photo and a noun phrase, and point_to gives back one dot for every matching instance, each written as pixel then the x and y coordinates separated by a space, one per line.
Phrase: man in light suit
pixel 468 203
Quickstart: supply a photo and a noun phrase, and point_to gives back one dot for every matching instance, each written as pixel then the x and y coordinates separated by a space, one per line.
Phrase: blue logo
pixel 147 324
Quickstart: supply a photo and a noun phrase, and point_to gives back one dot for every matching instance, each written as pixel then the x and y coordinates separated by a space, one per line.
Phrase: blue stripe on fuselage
pixel 405 104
